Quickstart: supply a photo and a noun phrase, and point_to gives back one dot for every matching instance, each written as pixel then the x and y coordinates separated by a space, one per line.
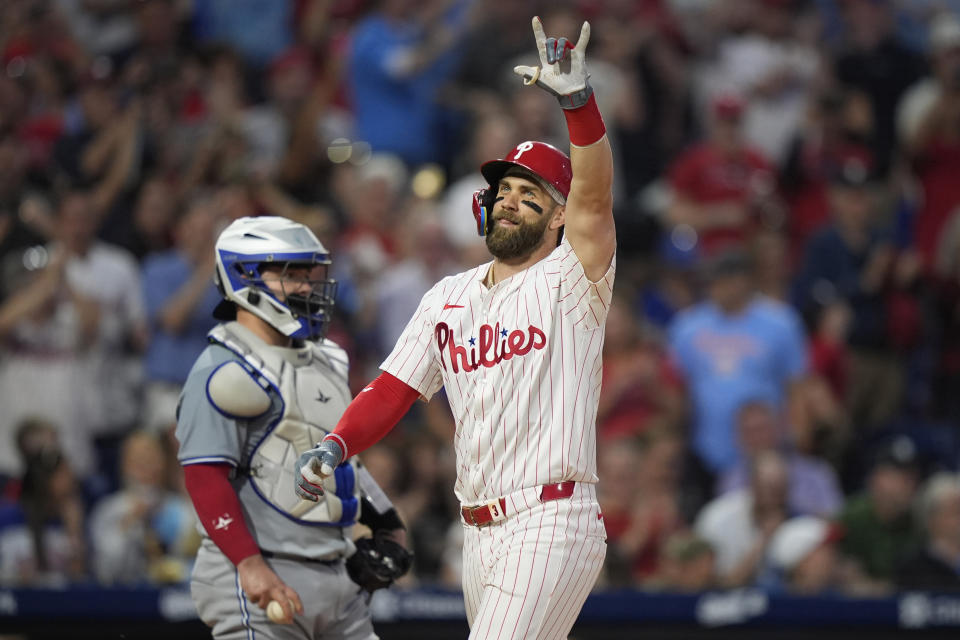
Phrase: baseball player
pixel 516 343
pixel 264 390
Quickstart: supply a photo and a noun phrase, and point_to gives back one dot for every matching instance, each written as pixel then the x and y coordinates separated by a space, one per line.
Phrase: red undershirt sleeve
pixel 218 507
pixel 585 124
pixel 373 413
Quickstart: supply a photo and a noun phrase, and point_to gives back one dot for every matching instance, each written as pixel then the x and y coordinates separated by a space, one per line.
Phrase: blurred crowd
pixel 781 387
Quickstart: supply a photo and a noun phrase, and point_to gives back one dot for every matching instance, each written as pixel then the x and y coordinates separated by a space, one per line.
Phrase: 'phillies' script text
pixel 491 351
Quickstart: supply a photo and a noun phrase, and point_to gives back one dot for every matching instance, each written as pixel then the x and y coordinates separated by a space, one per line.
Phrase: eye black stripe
pixel 533 205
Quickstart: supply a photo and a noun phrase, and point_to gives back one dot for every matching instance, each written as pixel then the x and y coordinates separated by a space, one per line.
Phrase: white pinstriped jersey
pixel 520 362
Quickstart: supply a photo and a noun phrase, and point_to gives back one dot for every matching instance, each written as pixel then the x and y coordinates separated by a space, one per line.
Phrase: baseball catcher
pixel 265 389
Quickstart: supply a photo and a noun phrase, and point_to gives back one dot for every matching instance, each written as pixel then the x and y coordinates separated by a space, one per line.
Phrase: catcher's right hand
pixel 313 466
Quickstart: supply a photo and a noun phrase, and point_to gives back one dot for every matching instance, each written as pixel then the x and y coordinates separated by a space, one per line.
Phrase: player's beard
pixel 510 243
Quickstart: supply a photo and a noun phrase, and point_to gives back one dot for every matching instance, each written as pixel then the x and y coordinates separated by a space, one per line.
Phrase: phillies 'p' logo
pixel 492 348
pixel 522 148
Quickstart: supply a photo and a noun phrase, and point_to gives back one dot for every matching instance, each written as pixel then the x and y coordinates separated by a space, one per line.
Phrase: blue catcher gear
pixel 290 253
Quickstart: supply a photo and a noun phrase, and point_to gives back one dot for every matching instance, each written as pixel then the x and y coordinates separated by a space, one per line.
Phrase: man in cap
pixel 879 529
pixel 516 343
pixel 852 261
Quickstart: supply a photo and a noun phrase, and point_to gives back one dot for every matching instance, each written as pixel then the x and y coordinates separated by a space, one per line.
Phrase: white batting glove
pixel 314 466
pixel 562 70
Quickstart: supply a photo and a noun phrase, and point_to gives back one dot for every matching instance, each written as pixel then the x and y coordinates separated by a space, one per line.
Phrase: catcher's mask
pixel 252 251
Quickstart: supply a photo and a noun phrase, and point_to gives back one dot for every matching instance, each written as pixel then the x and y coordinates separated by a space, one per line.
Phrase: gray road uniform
pixel 257 407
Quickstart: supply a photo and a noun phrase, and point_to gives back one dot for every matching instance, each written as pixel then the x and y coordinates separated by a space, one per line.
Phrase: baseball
pixel 276 613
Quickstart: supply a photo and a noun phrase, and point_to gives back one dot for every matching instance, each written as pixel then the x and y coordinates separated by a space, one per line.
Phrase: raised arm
pixel 588 217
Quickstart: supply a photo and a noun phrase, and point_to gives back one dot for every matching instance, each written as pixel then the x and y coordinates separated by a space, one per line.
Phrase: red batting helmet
pixel 545 161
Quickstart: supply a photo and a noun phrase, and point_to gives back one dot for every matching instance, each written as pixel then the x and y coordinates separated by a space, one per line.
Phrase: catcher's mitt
pixel 378 562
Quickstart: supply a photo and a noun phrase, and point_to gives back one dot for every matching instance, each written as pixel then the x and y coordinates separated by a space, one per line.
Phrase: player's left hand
pixel 562 69
pixel 313 466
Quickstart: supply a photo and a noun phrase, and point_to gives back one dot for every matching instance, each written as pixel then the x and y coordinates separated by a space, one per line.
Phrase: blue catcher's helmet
pixel 248 248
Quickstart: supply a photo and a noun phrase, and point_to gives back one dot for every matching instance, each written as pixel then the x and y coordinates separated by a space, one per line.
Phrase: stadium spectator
pixel 720 185
pixel 653 116
pixel 837 129
pixel 231 139
pixel 260 30
pixel 813 487
pixel 739 525
pixel 874 63
pixel 269 126
pixel 32 434
pixel 99 149
pixel 43 542
pixel 152 218
pixel 687 565
pixel 424 256
pixel 110 277
pixel 936 566
pixel 367 246
pixel 773 63
pixel 803 553
pixel 491 136
pixel 928 121
pixel 144 533
pixel 400 57
pixel 852 260
pixel 46 327
pixel 180 296
pixel 878 528
pixel 734 346
pixel 641 391
pixel 641 500
pixel 501 33
pixel 376 193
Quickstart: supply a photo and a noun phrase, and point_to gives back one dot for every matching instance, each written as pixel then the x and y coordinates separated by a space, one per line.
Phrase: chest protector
pixel 311 381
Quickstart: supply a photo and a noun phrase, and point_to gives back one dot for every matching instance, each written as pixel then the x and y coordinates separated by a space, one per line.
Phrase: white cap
pixel 796 538
pixel 386 167
pixel 944 32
